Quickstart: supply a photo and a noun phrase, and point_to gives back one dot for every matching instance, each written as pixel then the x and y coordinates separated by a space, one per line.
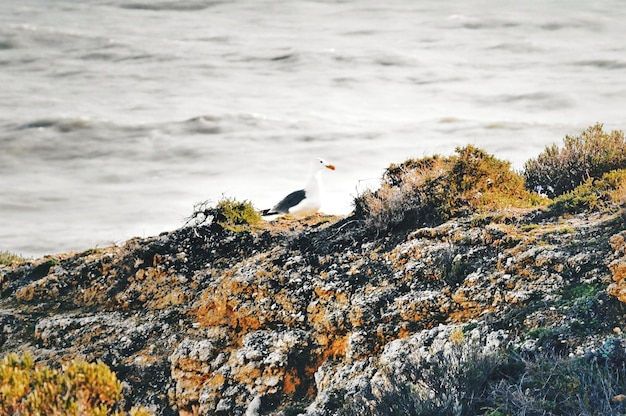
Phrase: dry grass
pixel 550 384
pixel 9 258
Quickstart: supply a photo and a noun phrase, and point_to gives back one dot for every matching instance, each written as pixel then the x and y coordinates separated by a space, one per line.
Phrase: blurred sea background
pixel 116 116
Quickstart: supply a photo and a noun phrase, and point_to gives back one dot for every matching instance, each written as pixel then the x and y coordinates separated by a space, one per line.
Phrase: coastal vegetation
pixel 7 258
pixel 237 215
pixel 78 389
pixel 607 192
pixel 587 173
pixel 464 380
pixel 229 213
pixel 432 190
pixel 587 156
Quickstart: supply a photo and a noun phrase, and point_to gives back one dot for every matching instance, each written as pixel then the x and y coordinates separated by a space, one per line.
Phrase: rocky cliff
pixel 321 317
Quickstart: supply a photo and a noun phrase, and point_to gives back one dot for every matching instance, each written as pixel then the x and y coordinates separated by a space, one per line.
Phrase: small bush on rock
pixel 605 194
pixel 229 213
pixel 434 189
pixel 589 155
pixel 84 389
pixel 237 215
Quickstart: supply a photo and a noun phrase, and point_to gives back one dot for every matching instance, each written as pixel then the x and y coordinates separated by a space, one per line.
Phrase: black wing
pixel 287 202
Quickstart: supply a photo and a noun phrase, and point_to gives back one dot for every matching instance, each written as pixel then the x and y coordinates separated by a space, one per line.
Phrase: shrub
pixel 237 215
pixel 589 155
pixel 79 389
pixel 465 380
pixel 434 189
pixel 552 384
pixel 604 194
pixel 228 213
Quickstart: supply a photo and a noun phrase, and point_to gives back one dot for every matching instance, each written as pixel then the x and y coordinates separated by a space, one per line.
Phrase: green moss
pixel 541 334
pixel 561 231
pixel 583 308
pixel 91 251
pixel 584 290
pixel 530 227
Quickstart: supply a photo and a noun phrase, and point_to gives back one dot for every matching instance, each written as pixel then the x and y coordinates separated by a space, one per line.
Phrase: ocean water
pixel 116 116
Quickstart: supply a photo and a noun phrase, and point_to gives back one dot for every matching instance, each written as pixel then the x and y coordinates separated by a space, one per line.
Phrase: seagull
pixel 305 201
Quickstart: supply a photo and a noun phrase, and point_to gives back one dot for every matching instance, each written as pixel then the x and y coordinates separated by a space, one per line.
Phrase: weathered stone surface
pixel 310 317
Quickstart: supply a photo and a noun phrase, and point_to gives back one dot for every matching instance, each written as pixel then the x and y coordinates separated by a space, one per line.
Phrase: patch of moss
pixel 584 290
pixel 91 251
pixel 561 231
pixel 229 214
pixel 549 338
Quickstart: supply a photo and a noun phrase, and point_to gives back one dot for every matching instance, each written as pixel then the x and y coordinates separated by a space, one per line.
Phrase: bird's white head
pixel 320 164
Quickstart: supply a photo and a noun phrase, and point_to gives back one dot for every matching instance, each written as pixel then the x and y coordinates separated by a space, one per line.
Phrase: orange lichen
pixel 356 316
pixel 332 295
pixel 292 382
pixel 618 288
pixel 216 382
pixel 247 374
pixel 337 348
pixel 404 332
pixel 618 268
pixel 618 241
pixel 330 348
pixel 193 411
pixel 221 311
pixel 229 305
pixel 471 311
pixel 412 314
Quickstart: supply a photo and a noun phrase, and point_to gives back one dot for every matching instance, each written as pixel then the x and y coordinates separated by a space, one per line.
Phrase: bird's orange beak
pixel 331 167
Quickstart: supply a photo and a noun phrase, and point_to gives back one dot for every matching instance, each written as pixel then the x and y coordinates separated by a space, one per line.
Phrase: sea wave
pixel 61 124
pixel 603 63
pixel 180 6
pixel 7 44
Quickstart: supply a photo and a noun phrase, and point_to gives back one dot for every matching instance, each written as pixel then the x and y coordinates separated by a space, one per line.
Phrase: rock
pixel 254 407
pixel 315 317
